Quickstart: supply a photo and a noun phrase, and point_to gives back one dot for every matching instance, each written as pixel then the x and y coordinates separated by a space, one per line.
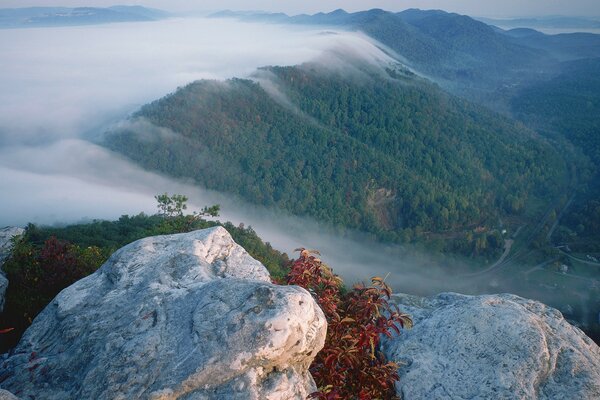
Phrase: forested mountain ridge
pixel 546 81
pixel 569 105
pixel 392 155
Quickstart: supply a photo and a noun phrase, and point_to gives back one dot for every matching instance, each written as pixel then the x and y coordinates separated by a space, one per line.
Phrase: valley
pixel 532 182
pixel 457 154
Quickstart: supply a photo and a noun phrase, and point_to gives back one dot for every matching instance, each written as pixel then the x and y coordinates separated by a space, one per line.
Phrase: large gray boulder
pixel 492 347
pixel 6 234
pixel 189 316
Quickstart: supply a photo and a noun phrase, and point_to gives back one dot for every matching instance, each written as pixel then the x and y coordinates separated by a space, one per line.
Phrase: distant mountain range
pixel 557 22
pixel 466 56
pixel 63 16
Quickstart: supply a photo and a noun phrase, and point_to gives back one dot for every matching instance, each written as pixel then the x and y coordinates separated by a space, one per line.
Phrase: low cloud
pixel 68 81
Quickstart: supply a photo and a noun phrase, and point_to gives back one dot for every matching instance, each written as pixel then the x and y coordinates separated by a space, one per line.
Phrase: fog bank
pixel 66 81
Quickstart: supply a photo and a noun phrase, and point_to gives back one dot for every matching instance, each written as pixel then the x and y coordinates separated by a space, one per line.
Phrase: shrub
pixel 36 275
pixel 350 366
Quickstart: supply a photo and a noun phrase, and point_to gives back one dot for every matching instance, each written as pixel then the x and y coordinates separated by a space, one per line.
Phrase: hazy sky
pixel 487 8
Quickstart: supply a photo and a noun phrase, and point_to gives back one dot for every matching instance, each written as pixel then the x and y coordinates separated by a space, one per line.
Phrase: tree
pixel 171 206
pixel 171 209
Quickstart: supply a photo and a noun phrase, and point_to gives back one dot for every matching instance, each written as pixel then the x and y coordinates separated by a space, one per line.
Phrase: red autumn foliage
pixel 350 366
pixel 61 264
pixel 37 273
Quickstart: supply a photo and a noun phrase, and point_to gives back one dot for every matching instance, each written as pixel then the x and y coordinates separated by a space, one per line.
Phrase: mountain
pixel 499 69
pixel 464 55
pixel 63 16
pixel 569 105
pixel 557 22
pixel 380 151
pixel 564 46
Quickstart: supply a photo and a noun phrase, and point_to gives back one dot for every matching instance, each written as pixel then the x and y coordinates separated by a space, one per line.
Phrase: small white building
pixel 563 268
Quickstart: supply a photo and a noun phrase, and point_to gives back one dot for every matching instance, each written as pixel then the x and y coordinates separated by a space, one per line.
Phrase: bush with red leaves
pixel 350 366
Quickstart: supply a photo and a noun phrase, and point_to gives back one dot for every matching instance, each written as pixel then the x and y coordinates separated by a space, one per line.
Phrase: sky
pixel 483 8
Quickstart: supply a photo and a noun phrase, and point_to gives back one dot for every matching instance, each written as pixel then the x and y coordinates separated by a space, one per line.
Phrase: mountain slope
pixel 564 46
pixel 392 155
pixel 569 105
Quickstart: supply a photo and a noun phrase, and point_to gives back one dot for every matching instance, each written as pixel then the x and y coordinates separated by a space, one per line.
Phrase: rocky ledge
pixel 492 347
pixel 189 316
pixel 193 316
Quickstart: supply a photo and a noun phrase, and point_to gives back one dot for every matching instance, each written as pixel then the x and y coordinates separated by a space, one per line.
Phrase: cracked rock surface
pixel 492 347
pixel 188 316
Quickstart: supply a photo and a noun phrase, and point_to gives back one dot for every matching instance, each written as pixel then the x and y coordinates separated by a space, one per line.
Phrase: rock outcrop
pixel 4 395
pixel 6 234
pixel 189 316
pixel 492 347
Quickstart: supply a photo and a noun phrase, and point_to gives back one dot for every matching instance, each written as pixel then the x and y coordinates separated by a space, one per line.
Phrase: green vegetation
pixel 45 260
pixel 569 105
pixel 391 155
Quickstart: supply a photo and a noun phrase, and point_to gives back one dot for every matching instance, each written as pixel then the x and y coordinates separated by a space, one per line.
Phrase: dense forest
pixel 569 105
pixel 383 152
